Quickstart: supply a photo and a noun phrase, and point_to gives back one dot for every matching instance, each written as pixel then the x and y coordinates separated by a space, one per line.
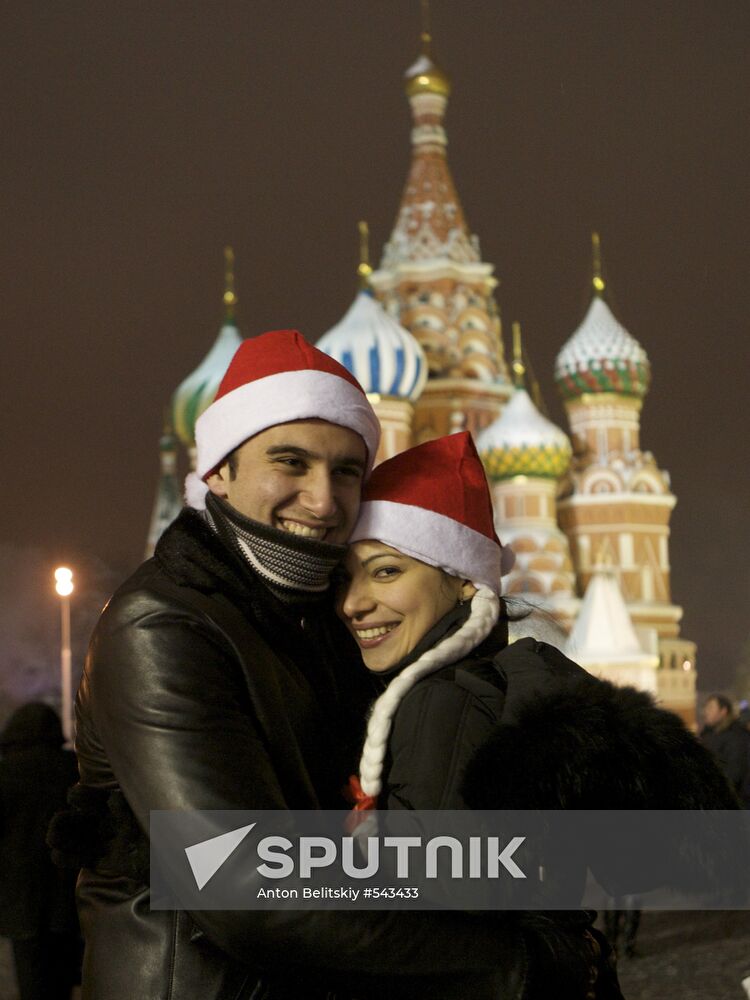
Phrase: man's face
pixel 303 477
pixel 713 713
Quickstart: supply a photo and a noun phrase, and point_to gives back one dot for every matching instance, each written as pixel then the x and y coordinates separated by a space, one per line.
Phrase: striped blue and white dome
pixel 381 354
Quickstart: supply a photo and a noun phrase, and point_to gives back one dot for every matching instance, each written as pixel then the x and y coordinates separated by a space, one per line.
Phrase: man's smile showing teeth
pixel 295 528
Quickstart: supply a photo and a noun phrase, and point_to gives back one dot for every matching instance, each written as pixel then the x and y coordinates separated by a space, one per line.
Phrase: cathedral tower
pixel 432 279
pixel 619 502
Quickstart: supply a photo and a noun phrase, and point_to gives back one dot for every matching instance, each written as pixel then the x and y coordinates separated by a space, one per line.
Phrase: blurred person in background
pixel 37 900
pixel 729 741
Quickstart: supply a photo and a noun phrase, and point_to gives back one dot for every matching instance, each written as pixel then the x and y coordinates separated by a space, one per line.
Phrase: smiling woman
pixel 421 594
pixel 468 720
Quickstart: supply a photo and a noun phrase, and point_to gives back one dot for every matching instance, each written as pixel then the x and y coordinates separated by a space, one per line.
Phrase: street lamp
pixel 64 587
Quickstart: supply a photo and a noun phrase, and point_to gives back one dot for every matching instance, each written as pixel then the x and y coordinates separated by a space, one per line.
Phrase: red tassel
pixel 354 794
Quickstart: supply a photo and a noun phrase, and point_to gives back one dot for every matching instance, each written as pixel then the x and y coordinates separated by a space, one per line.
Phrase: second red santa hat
pixel 433 503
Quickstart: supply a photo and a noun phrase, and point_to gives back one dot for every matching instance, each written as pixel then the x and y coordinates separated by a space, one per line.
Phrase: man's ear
pixel 217 481
pixel 467 590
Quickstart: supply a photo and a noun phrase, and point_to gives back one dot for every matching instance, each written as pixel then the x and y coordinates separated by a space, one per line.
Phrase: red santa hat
pixel 274 379
pixel 433 503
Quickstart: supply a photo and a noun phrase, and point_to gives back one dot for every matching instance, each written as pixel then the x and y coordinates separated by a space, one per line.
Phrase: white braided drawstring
pixel 485 611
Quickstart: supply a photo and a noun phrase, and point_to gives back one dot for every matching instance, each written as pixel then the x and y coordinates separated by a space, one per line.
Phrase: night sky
pixel 140 138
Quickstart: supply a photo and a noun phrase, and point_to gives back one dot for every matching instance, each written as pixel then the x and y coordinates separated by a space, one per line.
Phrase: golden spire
pixel 519 369
pixel 364 270
pixel 426 36
pixel 597 279
pixel 230 299
pixel 523 370
pixel 425 76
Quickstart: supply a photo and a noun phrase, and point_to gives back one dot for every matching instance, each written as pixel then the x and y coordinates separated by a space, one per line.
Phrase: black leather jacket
pixel 201 691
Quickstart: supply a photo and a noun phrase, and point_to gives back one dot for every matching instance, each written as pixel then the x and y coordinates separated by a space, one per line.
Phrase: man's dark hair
pixel 722 701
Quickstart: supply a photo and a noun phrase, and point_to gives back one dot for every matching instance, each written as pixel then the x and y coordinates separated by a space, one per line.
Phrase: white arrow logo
pixel 207 857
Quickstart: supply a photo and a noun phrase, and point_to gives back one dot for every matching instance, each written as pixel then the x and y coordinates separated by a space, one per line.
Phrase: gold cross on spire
pixel 519 368
pixel 364 270
pixel 426 35
pixel 230 299
pixel 597 279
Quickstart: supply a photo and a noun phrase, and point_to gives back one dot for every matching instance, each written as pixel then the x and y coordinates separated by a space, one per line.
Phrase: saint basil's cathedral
pixel 585 513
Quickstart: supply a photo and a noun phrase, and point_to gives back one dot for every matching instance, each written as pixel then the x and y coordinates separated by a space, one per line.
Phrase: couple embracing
pixel 236 669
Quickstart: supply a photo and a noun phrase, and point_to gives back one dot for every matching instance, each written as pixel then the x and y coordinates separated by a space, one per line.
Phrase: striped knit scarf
pixel 292 566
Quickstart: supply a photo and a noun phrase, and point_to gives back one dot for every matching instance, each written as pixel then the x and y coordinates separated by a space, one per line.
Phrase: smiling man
pixel 219 678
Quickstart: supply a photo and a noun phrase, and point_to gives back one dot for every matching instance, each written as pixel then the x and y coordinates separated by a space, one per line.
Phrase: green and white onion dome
pixel 521 442
pixel 198 390
pixel 602 356
pixel 383 356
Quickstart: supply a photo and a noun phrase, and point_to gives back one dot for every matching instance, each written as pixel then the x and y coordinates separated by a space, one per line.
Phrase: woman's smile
pixel 369 636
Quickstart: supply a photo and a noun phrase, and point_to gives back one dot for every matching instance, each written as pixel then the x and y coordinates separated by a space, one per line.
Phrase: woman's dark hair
pixel 515 609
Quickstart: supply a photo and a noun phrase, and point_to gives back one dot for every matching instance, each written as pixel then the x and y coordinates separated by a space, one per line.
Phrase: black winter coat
pixel 201 691
pixel 730 746
pixel 523 727
pixel 35 775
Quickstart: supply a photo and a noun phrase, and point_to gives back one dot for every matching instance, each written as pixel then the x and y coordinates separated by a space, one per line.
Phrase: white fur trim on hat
pixel 280 399
pixel 195 491
pixel 432 538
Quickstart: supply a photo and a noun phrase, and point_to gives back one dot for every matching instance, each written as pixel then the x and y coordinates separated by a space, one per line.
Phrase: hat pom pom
pixel 195 491
pixel 507 560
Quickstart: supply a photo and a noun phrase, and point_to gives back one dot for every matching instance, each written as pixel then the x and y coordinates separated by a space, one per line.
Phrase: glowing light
pixel 64 581
pixel 686 664
pixel 599 284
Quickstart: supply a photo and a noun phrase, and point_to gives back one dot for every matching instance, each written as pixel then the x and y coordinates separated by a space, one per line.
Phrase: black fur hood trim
pixel 583 743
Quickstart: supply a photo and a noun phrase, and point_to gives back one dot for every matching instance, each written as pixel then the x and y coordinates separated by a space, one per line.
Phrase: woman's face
pixel 390 601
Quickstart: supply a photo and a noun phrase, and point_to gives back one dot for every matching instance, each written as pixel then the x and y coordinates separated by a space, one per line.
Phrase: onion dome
pixel 378 351
pixel 425 76
pixel 198 390
pixel 601 356
pixel 383 356
pixel 521 442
